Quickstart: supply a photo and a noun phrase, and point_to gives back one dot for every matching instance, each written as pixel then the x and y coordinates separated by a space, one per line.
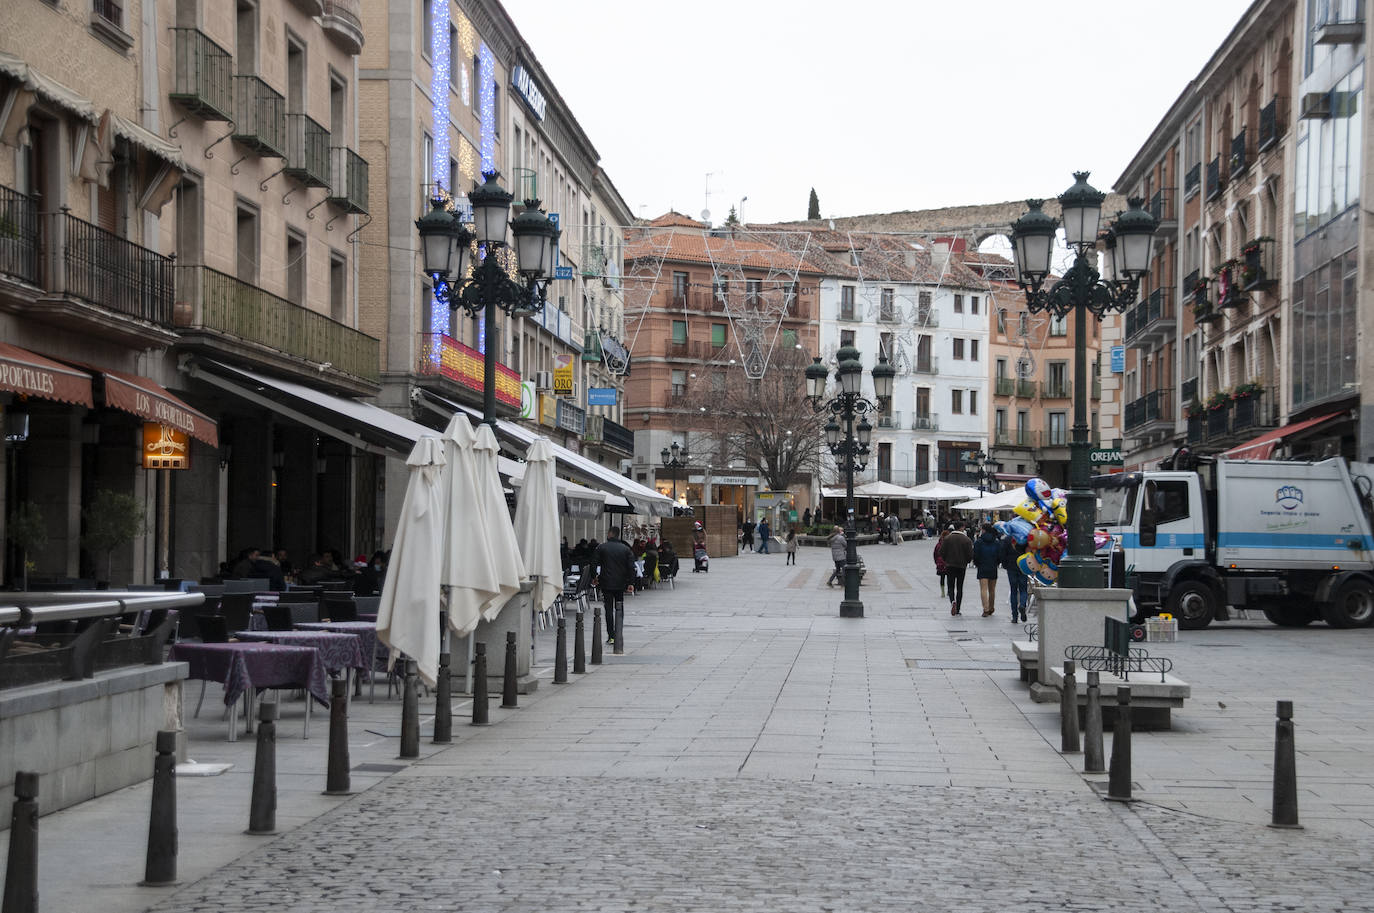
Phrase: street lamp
pixel 474 280
pixel 984 468
pixel 1082 289
pixel 849 442
pixel 674 458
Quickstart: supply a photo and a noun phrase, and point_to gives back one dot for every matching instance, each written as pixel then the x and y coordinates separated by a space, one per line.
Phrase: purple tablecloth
pixel 366 631
pixel 337 650
pixel 240 666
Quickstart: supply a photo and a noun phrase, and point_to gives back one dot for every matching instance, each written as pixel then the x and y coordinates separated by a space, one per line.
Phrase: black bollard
pixel 479 685
pixel 1092 737
pixel 596 636
pixel 336 781
pixel 21 873
pixel 410 712
pixel 579 647
pixel 160 867
pixel 1119 775
pixel 1285 770
pixel 443 700
pixel 509 692
pixel 262 810
pixel 560 653
pixel 1068 710
pixel 618 623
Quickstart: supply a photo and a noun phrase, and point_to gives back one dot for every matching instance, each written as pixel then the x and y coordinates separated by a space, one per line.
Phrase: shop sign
pixel 601 396
pixel 562 375
pixel 1104 458
pixel 165 447
pixel 529 400
pixel 529 90
pixel 1118 359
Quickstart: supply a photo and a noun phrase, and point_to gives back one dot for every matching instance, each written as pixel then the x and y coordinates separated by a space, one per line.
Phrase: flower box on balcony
pixel 1254 272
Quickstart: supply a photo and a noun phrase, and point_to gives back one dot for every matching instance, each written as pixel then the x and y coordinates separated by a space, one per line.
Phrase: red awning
pixel 22 371
pixel 1262 447
pixel 155 403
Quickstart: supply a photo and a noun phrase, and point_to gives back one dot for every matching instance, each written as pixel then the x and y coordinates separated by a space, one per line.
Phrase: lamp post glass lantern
pixel 674 458
pixel 1082 289
pixel 984 468
pixel 466 264
pixel 849 441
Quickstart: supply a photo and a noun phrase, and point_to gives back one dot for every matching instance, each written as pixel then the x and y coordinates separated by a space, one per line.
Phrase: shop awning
pixel 22 371
pixel 153 402
pixel 1263 447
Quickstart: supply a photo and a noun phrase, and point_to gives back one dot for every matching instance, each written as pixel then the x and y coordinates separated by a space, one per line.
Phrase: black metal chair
pixel 278 617
pixel 340 609
pixel 237 609
pixel 214 629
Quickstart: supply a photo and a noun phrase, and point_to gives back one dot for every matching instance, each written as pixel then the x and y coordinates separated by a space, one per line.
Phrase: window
pixel 1058 429
pixel 246 242
pixel 1024 328
pixel 999 423
pixel 295 74
pixel 679 332
pixel 1059 326
pixel 720 289
pixel 973 304
pixel 679 289
pixel 973 402
pixel 1002 321
pixel 717 335
pixel 886 308
pixel 717 381
pixel 847 302
pixel 956 402
pixel 885 346
pixel 1327 176
pixel 295 268
pixel 846 338
pixel 958 348
pixel 338 288
pixel 455 65
pixel 246 22
pixel 679 383
pixel 923 402
pixel 958 304
pixel 1167 501
pixel 923 306
pixel 1001 368
pixel 973 350
pixel 427 27
pixel 789 339
pixel 1058 378
pixel 753 292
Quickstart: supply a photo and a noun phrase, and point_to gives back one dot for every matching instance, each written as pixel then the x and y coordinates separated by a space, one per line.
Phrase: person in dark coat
pixel 748 539
pixel 615 574
pixel 1016 578
pixel 987 557
pixel 957 552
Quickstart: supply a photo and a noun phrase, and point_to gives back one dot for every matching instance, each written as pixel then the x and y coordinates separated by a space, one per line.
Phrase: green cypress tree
pixel 813 208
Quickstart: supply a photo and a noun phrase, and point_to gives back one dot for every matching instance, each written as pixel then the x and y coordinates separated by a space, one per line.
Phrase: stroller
pixel 700 560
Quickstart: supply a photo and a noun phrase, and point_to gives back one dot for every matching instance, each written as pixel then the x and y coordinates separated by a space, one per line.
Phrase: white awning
pixel 57 93
pixel 147 140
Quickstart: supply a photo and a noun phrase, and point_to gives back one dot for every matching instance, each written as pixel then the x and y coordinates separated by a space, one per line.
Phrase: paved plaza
pixel 753 751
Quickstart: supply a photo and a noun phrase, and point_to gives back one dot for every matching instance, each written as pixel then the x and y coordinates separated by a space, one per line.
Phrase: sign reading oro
pixel 562 375
pixel 165 447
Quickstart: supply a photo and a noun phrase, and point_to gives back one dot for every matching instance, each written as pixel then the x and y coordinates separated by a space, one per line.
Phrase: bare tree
pixel 766 424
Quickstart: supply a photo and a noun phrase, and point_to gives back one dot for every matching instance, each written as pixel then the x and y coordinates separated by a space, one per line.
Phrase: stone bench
pixel 1152 700
pixel 1028 655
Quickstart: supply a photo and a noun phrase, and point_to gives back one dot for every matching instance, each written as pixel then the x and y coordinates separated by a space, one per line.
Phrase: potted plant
pixel 26 529
pixel 1194 409
pixel 1218 401
pixel 1248 389
pixel 111 520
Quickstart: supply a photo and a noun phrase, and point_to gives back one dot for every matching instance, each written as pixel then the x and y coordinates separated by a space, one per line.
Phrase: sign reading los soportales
pixel 529 90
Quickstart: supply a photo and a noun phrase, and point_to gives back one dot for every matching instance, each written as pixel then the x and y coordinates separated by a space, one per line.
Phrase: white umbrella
pixel 942 491
pixel 494 522
pixel 1002 500
pixel 536 524
pixel 468 574
pixel 408 614
pixel 884 490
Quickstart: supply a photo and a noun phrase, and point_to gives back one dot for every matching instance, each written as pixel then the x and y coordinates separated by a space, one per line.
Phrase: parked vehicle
pixel 1295 540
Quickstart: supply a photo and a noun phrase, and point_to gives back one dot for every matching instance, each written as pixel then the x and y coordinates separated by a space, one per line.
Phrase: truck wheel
pixel 1193 603
pixel 1352 606
pixel 1290 616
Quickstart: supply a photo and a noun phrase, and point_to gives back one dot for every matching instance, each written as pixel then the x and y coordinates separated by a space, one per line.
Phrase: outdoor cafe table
pixel 338 651
pixel 244 668
pixel 365 630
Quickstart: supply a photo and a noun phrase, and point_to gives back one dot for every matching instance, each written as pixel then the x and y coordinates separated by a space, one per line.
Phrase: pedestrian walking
pixel 765 533
pixel 1016 578
pixel 616 564
pixel 806 518
pixel 839 553
pixel 958 554
pixel 747 528
pixel 987 557
pixel 790 546
pixel 941 569
pixel 894 529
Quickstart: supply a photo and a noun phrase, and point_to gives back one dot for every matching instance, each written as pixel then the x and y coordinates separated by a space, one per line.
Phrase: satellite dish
pixel 706 215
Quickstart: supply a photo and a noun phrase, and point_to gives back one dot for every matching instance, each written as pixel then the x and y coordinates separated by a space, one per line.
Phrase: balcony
pixel 19 241
pixel 1235 419
pixel 307 151
pixel 1014 437
pixel 1056 436
pixel 442 356
pixel 1152 320
pixel 692 349
pixel 310 7
pixel 1025 388
pixel 1214 178
pixel 927 317
pixel 219 312
pixel 848 312
pixel 348 173
pixel 614 434
pixel 1268 125
pixel 202 76
pixel 1230 294
pixel 259 117
pixel 1348 30
pixel 928 422
pixel 1154 407
pixel 594 264
pixel 888 313
pixel 927 365
pixel 1162 208
pixel 1257 273
pixel 891 421
pixel 1240 159
pixel 1005 386
pixel 343 23
pixel 1188 391
pixel 1060 388
pixel 1192 179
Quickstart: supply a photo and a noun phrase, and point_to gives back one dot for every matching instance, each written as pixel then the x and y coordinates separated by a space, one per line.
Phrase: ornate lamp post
pixel 984 468
pixel 1082 289
pixel 475 280
pixel 674 458
pixel 850 442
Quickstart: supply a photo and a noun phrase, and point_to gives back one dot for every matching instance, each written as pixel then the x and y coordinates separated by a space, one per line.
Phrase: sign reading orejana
pixel 1104 458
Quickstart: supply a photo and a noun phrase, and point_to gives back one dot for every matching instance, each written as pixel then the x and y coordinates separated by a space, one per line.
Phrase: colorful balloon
pixel 1038 490
pixel 1029 511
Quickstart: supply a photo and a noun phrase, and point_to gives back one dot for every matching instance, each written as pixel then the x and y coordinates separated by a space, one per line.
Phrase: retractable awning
pixel 1263 447
pixel 153 402
pixel 29 373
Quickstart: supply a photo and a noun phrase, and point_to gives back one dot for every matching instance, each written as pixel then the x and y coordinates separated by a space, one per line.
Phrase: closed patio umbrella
pixel 408 613
pixel 536 524
pixel 469 575
pixel 495 523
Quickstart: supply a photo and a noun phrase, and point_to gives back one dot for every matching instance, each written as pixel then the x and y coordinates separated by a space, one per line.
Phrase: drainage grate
pixel 963 665
pixel 378 768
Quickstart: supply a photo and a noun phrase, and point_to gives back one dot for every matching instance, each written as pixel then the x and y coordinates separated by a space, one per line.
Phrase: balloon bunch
pixel 1039 526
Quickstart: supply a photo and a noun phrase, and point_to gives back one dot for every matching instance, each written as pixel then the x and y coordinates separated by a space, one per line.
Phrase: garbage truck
pixel 1292 539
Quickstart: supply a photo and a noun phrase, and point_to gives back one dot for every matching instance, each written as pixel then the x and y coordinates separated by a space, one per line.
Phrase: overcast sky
pixel 881 106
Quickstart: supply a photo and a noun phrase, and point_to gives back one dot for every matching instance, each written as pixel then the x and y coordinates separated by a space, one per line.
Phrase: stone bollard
pixel 21 872
pixel 596 636
pixel 262 809
pixel 1119 775
pixel 410 711
pixel 1285 812
pixel 160 865
pixel 560 653
pixel 509 691
pixel 443 700
pixel 1092 736
pixel 336 781
pixel 479 684
pixel 579 647
pixel 1068 710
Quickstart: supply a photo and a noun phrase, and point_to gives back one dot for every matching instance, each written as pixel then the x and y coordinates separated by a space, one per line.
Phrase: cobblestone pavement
pixel 753 751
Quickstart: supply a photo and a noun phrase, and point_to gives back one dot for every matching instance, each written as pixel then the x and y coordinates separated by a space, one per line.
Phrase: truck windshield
pixel 1116 506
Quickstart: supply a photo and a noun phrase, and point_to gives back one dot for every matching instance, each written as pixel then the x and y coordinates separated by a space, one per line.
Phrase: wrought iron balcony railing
pixel 103 269
pixel 259 117
pixel 342 21
pixel 1162 206
pixel 929 365
pixel 1025 388
pixel 1005 386
pixel 202 76
pixel 208 300
pixel 1192 180
pixel 927 422
pixel 1268 124
pixel 1155 406
pixel 1214 178
pixel 348 187
pixel 307 151
pixel 19 240
pixel 1240 159
pixel 1056 389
